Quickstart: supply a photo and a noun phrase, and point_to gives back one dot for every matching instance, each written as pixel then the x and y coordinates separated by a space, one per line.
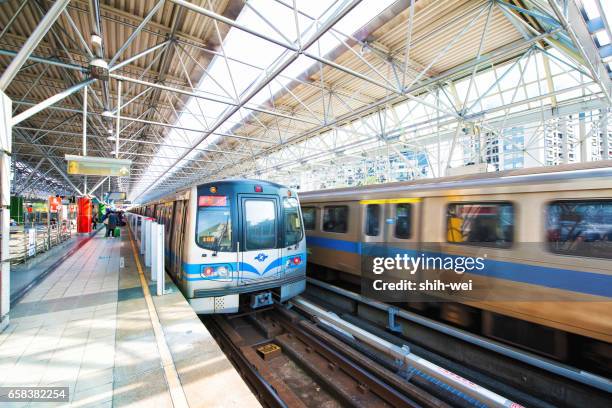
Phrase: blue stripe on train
pixel 337 244
pixel 566 279
pixel 195 269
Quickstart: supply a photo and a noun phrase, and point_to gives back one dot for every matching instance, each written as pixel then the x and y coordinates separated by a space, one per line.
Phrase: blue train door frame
pixel 260 251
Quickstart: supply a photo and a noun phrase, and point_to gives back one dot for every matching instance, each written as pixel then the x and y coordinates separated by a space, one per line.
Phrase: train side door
pixel 293 244
pixel 401 229
pixel 373 214
pixel 260 248
pixel 401 223
pixel 178 235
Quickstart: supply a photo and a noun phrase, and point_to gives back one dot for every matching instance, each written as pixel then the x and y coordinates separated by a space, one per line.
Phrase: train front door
pixel 260 252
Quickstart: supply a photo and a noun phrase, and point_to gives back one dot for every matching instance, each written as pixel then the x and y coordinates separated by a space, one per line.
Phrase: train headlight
pixel 215 271
pixel 222 271
pixel 294 261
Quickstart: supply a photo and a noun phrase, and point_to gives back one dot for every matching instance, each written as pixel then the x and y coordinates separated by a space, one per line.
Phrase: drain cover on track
pixel 269 351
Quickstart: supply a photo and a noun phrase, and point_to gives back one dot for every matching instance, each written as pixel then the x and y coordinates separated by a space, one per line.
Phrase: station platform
pixel 93 327
pixel 26 275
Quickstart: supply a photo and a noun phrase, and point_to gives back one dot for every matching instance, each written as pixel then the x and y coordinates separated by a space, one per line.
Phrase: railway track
pixel 303 357
pixel 521 376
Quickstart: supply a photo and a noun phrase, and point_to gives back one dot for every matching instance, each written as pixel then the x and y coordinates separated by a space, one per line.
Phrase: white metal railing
pixel 149 236
pixel 27 242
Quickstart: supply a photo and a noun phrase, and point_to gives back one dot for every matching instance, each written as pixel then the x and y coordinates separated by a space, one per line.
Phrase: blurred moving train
pixel 231 238
pixel 546 232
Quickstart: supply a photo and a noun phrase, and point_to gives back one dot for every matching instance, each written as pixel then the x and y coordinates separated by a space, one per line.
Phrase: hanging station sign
pixel 117 195
pixel 98 166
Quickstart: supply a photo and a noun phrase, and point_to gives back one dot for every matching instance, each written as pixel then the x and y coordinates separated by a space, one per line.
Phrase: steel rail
pixel 254 379
pixel 581 376
pixel 476 391
pixel 384 391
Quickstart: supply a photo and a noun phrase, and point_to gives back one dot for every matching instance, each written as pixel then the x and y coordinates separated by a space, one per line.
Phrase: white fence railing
pixel 27 242
pixel 150 238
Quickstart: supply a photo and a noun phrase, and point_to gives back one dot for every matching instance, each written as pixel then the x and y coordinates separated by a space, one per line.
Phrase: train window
pixel 214 225
pixel 402 220
pixel 580 228
pixel 335 218
pixel 480 224
pixel 372 228
pixel 293 223
pixel 309 214
pixel 260 224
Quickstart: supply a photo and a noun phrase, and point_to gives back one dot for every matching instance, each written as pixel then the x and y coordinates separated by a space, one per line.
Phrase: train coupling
pixel 261 299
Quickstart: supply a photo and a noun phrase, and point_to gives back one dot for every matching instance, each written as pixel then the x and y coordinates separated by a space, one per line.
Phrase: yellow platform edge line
pixel 177 394
pixel 391 201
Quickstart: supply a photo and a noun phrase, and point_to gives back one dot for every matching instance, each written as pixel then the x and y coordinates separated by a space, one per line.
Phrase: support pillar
pixel 84 215
pixel 5 197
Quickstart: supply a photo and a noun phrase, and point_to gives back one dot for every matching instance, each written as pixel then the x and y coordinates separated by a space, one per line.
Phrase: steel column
pixel 5 201
pixel 118 120
pixel 85 121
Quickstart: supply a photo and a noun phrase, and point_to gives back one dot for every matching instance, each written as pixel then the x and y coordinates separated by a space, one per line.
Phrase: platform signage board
pixel 117 195
pixel 31 241
pixel 97 166
pixel 54 203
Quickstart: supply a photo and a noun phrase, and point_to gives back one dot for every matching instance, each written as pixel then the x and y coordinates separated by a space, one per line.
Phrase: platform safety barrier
pixel 149 236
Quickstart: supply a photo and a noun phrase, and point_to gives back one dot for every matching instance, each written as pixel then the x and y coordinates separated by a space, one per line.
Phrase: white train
pixel 233 239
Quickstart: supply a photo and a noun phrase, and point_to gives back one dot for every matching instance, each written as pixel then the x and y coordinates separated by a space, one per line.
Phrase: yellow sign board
pixel 98 166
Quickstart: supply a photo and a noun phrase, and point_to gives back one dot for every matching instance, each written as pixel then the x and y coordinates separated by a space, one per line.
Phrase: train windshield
pixel 293 224
pixel 214 228
pixel 260 224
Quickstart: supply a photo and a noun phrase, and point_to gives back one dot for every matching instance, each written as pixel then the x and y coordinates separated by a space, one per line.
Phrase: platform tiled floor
pixel 24 274
pixel 87 327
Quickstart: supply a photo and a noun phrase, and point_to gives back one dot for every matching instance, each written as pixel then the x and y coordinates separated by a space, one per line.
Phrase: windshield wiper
pixel 217 242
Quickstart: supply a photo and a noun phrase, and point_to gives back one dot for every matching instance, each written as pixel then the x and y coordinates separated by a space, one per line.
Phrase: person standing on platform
pixel 94 221
pixel 111 222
